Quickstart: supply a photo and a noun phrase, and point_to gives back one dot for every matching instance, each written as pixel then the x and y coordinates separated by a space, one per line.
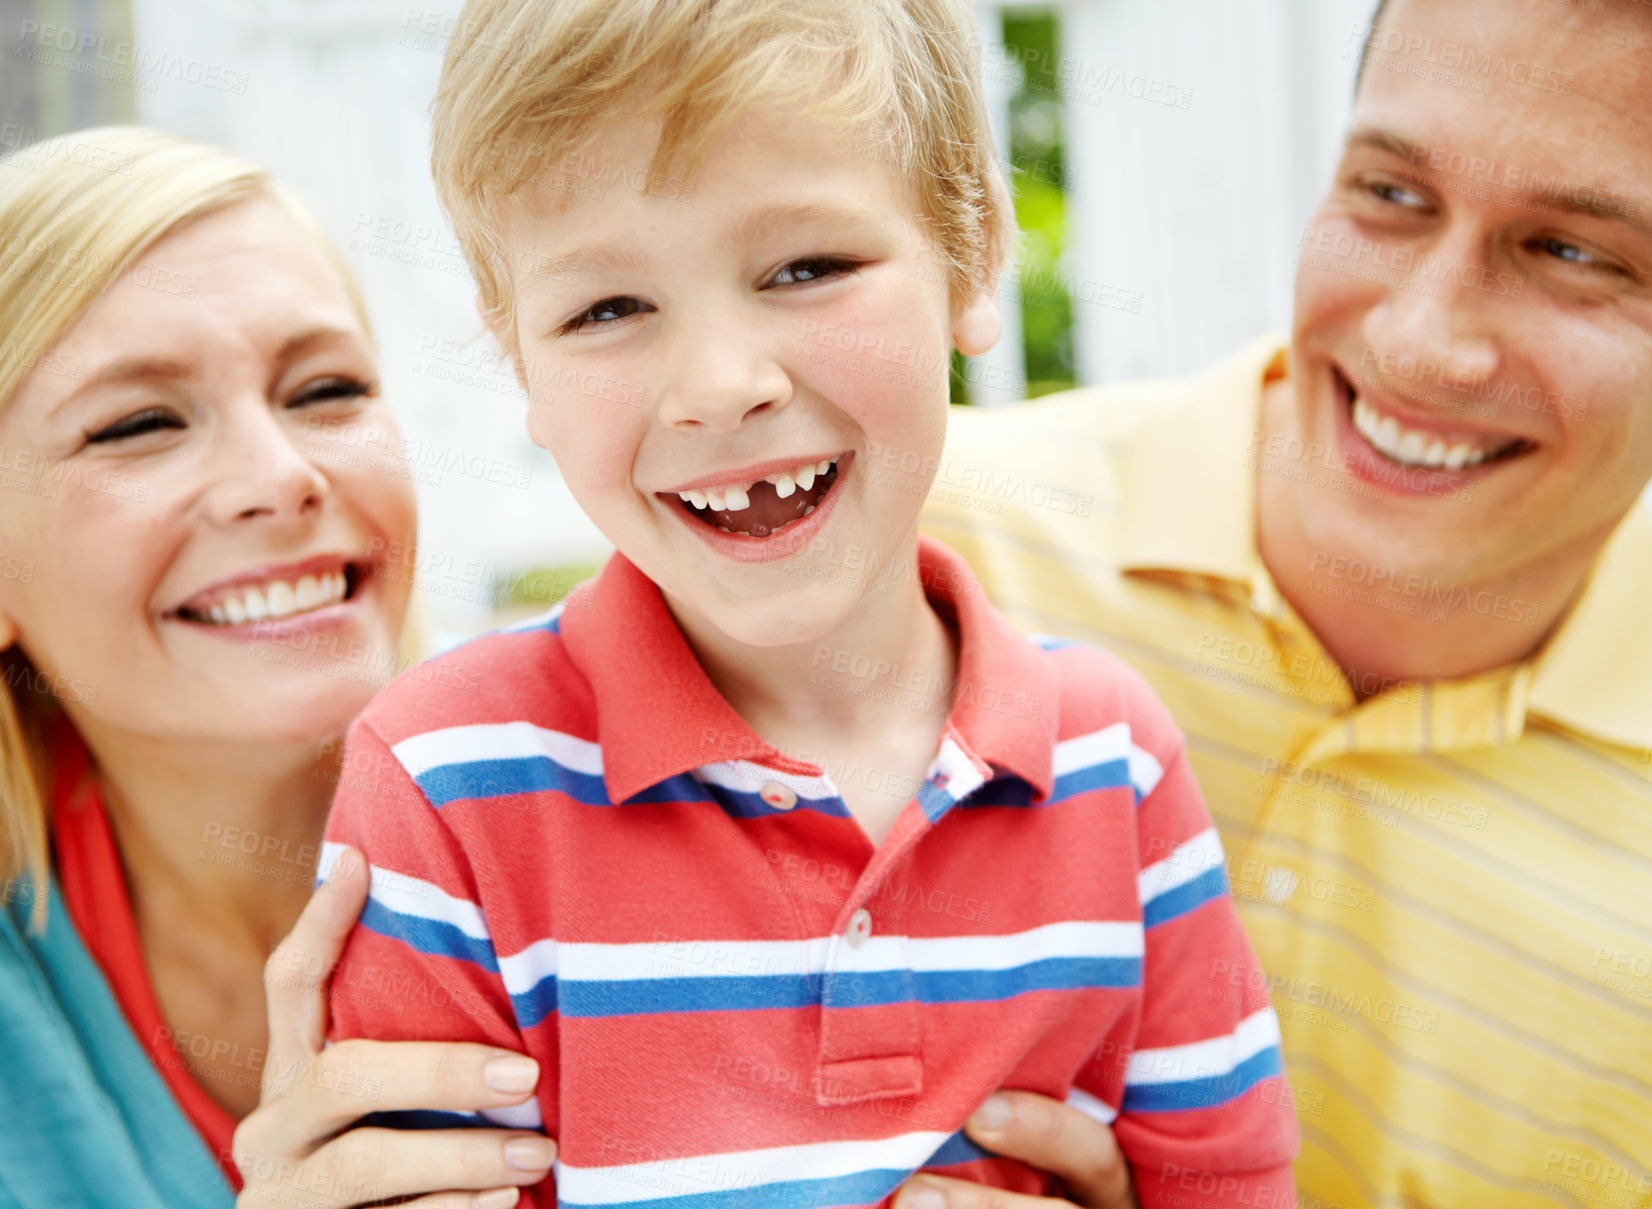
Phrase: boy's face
pixel 721 339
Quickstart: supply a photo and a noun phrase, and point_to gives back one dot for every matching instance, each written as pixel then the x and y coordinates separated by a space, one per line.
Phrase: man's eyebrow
pixel 1552 193
pixel 1385 140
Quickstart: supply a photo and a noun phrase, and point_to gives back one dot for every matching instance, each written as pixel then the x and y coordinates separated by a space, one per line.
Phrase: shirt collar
pixel 658 714
pixel 1188 507
pixel 1188 455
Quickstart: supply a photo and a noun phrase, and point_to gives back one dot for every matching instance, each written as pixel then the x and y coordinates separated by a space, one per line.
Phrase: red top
pixel 580 850
pixel 94 887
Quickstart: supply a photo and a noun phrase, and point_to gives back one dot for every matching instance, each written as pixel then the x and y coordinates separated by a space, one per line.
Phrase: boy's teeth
pixel 280 599
pixel 1411 446
pixel 737 496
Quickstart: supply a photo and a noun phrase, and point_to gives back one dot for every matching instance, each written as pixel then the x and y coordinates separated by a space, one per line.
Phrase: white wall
pixel 1193 209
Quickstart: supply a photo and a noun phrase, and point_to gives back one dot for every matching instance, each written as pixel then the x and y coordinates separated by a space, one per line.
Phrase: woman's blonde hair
pixel 76 212
pixel 527 84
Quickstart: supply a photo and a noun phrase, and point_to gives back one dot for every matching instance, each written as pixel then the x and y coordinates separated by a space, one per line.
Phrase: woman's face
pixel 200 491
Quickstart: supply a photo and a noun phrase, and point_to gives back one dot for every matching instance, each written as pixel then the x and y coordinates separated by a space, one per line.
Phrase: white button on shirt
pixel 777 795
pixel 860 928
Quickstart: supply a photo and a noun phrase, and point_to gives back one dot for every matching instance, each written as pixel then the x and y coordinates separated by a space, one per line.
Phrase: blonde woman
pixel 198 485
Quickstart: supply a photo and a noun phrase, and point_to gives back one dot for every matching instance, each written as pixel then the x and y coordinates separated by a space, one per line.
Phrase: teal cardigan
pixel 85 1118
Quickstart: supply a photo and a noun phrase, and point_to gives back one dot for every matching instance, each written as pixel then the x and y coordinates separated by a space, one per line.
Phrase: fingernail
pixel 511 1076
pixel 530 1154
pixel 919 1195
pixel 499 1198
pixel 994 1113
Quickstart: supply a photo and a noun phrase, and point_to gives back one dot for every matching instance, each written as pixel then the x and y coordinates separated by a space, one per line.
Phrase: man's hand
pixel 1078 1150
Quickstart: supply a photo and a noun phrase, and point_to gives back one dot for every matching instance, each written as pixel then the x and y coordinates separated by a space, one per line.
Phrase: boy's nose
pixel 716 381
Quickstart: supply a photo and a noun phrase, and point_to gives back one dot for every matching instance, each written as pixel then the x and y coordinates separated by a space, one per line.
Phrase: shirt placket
pixel 871 1032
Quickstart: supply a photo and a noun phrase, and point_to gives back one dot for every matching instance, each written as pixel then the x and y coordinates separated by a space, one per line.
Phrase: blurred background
pixel 1164 155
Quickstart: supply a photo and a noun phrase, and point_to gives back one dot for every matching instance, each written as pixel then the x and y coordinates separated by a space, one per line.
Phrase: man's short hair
pixel 1370 41
pixel 529 85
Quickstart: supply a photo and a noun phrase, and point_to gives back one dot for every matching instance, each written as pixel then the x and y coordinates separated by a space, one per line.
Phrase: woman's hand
pixel 297 1148
pixel 1076 1149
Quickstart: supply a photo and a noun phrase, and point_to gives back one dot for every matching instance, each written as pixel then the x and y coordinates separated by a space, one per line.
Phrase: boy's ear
pixel 8 631
pixel 977 326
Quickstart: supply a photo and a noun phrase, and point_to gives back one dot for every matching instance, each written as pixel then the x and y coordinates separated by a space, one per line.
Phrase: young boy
pixel 775 845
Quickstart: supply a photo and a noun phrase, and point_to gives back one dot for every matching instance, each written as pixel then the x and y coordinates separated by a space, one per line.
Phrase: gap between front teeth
pixel 735 498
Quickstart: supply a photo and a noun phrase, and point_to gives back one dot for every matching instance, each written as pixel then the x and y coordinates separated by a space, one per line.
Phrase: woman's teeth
pixel 1413 447
pixel 278 598
pixel 736 497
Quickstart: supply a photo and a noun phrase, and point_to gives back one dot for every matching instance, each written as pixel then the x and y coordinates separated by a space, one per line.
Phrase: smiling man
pixel 1393 581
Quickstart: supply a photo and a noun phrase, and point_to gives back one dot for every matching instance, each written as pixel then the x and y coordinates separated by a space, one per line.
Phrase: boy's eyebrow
pixel 570 266
pixel 751 228
pixel 760 223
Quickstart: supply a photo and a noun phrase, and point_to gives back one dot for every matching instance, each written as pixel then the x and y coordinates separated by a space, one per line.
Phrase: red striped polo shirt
pixel 580 851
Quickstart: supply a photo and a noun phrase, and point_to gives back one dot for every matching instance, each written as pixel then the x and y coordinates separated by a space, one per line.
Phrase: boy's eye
pixel 334 386
pixel 609 310
pixel 150 419
pixel 812 268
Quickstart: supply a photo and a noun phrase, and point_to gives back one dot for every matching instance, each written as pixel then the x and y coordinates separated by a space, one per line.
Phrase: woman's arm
pixel 298 1148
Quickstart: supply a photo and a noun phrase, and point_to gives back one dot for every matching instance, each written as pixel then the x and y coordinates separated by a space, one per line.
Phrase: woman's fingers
pixel 493 1198
pixel 290 1148
pixel 295 977
pixel 366 1165
pixel 938 1192
pixel 1056 1138
pixel 322 1093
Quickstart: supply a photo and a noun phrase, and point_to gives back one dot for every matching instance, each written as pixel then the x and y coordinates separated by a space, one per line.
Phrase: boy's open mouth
pixel 766 506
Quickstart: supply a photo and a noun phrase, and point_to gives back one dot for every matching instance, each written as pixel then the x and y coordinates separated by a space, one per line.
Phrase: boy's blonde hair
pixel 527 83
pixel 76 212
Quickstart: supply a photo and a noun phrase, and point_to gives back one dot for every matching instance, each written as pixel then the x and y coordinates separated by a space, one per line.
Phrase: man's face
pixel 1473 335
pixel 744 385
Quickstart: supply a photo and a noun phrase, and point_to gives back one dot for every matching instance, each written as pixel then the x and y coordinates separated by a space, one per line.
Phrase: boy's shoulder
pixel 519 673
pixel 1099 690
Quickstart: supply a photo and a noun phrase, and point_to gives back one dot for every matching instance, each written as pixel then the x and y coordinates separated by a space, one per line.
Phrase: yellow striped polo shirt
pixel 1448 883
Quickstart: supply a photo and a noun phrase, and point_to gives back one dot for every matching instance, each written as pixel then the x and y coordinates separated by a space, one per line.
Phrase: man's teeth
pixel 279 599
pixel 735 496
pixel 1411 446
